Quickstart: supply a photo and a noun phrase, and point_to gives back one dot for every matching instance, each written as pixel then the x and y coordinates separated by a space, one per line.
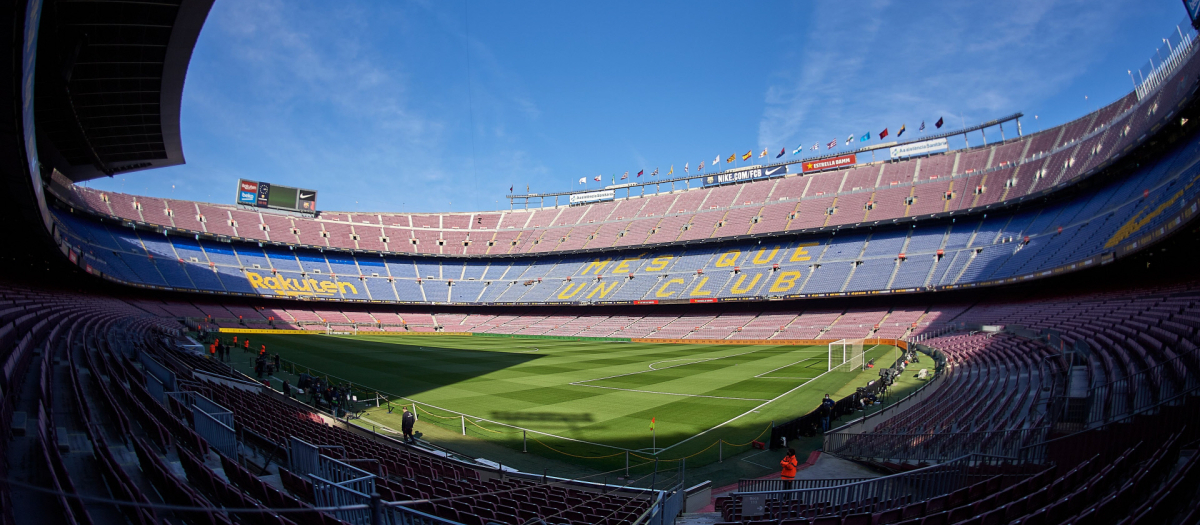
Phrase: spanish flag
pixel 651 423
pixel 748 155
pixel 731 157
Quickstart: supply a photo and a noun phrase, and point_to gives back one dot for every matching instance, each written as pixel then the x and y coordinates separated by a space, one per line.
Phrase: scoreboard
pixel 267 195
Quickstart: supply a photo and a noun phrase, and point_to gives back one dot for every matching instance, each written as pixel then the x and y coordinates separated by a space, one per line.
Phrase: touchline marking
pixel 578 383
pixel 652 369
pixel 669 393
pixel 752 410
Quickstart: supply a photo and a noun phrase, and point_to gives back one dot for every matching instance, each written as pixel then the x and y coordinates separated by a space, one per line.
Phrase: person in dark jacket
pixel 407 420
pixel 826 412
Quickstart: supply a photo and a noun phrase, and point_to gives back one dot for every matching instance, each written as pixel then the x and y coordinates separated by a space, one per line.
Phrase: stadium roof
pixel 110 78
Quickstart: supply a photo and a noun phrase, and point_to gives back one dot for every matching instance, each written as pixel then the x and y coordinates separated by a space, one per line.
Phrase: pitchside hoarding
pixel 919 148
pixel 267 195
pixel 830 163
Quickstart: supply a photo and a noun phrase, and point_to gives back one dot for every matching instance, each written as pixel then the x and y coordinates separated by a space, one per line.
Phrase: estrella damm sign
pixel 302 287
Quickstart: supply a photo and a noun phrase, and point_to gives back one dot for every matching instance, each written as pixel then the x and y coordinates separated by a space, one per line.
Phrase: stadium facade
pixel 1056 403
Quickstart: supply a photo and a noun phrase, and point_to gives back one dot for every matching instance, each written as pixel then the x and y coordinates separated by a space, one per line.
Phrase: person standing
pixel 789 465
pixel 826 413
pixel 407 420
pixel 287 389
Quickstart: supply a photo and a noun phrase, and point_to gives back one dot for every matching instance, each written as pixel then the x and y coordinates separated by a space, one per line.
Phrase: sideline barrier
pixel 322 332
pixel 266 331
pixel 779 342
pixel 555 337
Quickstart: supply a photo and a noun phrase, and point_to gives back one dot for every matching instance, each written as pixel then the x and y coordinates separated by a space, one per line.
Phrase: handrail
pixel 892 491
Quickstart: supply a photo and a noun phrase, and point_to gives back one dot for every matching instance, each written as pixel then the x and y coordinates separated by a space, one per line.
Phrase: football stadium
pixel 958 322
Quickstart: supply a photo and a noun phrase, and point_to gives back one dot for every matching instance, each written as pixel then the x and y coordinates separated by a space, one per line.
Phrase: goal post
pixel 846 355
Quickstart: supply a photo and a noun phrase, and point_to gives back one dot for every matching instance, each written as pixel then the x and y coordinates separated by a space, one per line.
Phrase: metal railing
pixel 1170 56
pixel 775 485
pixel 211 421
pixel 881 493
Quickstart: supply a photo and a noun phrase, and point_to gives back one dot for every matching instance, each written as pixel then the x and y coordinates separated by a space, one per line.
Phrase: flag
pixel 901 132
pixel 763 154
pixel 781 152
pixel 701 168
pixel 582 180
pixel 510 188
pixel 938 124
pixel 748 155
pixel 685 167
pixel 849 139
pixel 866 136
pixel 832 144
pixel 626 175
pixel 883 134
pixel 716 160
pixel 651 423
pixel 922 128
pixel 730 159
pixel 671 171
pixel 597 179
pixel 654 173
pixel 815 146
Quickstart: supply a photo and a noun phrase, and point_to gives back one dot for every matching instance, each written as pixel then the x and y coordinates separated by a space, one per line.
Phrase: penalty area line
pixel 785 366
pixel 669 393
pixel 744 414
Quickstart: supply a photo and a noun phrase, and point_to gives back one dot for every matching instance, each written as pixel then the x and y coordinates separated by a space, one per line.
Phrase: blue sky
pixel 441 106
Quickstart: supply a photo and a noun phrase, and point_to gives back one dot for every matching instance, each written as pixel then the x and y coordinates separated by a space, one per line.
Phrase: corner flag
pixel 651 423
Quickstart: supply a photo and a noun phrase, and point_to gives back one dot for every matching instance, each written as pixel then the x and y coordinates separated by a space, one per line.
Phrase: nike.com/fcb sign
pixel 267 195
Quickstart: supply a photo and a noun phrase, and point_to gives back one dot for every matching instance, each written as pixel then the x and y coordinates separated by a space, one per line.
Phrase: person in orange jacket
pixel 789 465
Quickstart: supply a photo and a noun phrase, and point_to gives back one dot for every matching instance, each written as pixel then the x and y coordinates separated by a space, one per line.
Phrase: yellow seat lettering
pixel 786 281
pixel 662 290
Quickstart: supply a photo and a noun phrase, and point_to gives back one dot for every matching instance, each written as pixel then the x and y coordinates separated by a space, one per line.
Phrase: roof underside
pixel 109 82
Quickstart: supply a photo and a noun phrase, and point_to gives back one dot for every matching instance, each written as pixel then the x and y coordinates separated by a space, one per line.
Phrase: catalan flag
pixel 731 157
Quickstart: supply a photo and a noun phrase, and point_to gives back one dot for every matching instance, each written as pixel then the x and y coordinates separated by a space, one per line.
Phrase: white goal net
pixel 846 355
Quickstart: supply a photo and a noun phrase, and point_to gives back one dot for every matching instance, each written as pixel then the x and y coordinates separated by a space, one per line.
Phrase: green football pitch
pixel 582 401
